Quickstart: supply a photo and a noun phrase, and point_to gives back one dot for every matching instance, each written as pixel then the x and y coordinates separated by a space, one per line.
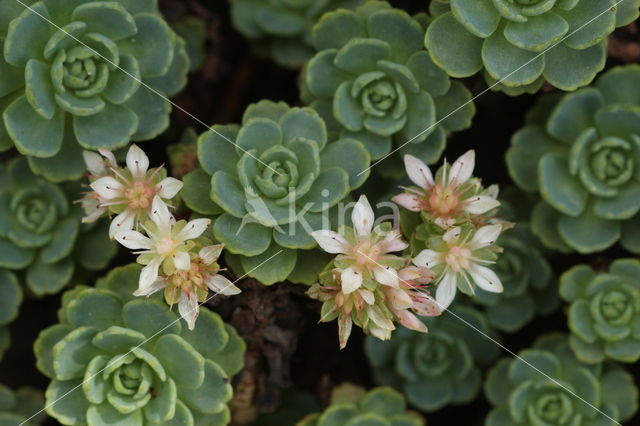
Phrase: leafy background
pixel 233 76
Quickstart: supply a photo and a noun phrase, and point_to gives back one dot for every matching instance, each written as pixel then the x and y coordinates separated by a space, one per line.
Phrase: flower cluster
pixel 176 259
pixel 368 285
pixel 456 231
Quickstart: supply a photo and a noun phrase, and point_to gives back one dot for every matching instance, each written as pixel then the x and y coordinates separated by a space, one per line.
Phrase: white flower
pixel 367 254
pixel 452 193
pixel 190 287
pixel 128 191
pixel 461 261
pixel 166 243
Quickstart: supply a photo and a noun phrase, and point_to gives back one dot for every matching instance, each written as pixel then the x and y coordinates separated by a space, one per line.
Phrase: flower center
pixel 443 201
pixel 366 253
pixel 139 195
pixel 458 258
pixel 165 246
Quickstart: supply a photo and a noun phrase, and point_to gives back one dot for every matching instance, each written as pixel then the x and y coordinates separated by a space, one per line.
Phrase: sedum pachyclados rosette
pixel 41 236
pixel 65 82
pixel 439 368
pixel 350 405
pixel 283 26
pixel 372 80
pixel 18 408
pixel 523 43
pixel 605 311
pixel 272 181
pixel 582 153
pixel 528 282
pixel 562 392
pixel 132 362
pixel 10 300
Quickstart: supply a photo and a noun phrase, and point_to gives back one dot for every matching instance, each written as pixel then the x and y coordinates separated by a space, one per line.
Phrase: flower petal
pixel 91 208
pixel 367 296
pixel 452 235
pixel 137 162
pixel 188 308
pixel 418 172
pixel 485 278
pixel 427 258
pixel 94 163
pixel 221 285
pixel 362 217
pixel 149 274
pixel 344 329
pixel 157 285
pixel 378 317
pixel 481 204
pixel 408 201
pixel 330 241
pixel 133 240
pixel 425 305
pixel 123 222
pixel 168 187
pixel 462 169
pixel 160 216
pixel 398 299
pixel 446 290
pixel 386 275
pixel 485 236
pixel 379 333
pixel 107 187
pixel 193 229
pixel 351 279
pixel 393 242
pixel 411 321
pixel 111 159
pixel 182 260
pixel 210 254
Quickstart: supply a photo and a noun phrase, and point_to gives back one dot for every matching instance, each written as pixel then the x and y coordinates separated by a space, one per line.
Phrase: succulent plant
pixel 273 188
pixel 520 44
pixel 283 27
pixel 72 68
pixel 10 300
pixel 561 392
pixel 20 407
pixel 380 406
pixel 604 311
pixel 41 233
pixel 528 281
pixel 130 361
pixel 582 153
pixel 372 80
pixel 439 368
